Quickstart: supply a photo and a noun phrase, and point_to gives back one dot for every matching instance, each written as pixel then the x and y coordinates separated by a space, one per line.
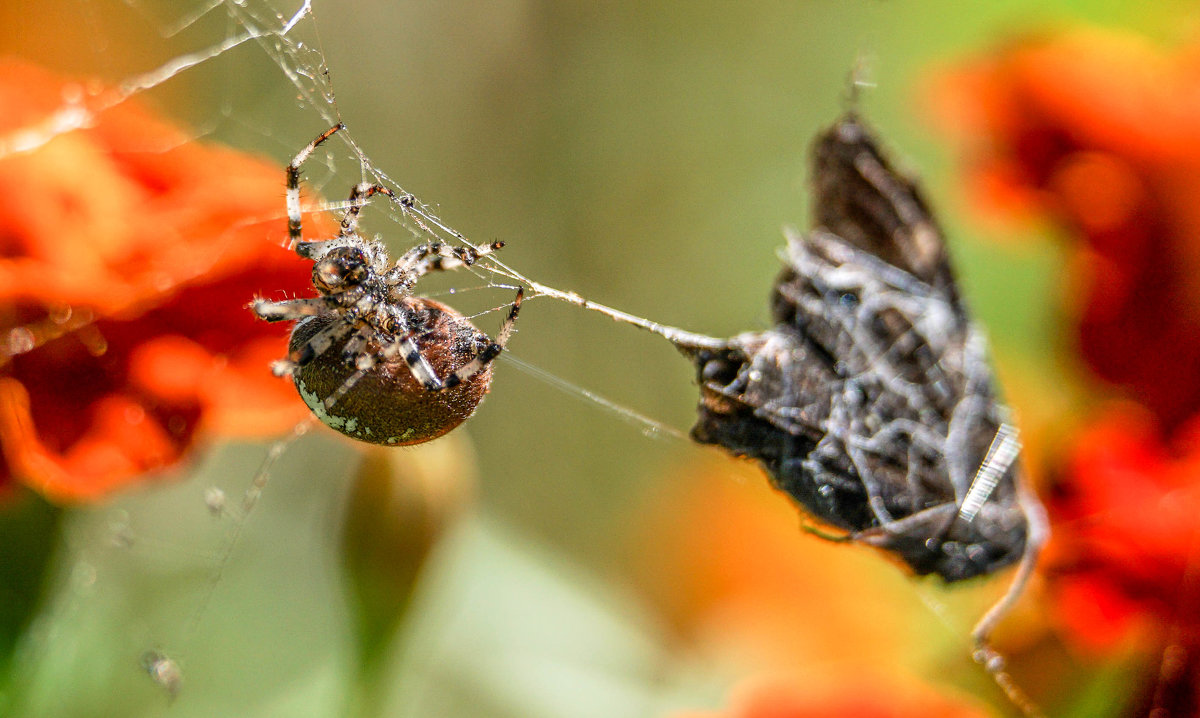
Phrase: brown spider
pixel 369 358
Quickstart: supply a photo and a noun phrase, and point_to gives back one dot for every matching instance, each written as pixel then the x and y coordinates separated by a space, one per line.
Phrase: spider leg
pixel 435 256
pixel 293 183
pixel 357 343
pixel 363 363
pixel 417 364
pixel 288 310
pixel 425 374
pixel 332 400
pixel 316 345
pixel 358 199
pixel 490 352
pixel 359 196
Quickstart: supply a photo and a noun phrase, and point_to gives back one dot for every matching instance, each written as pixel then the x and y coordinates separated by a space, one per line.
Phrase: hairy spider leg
pixel 320 343
pixel 407 349
pixel 1001 453
pixel 295 309
pixel 313 348
pixel 359 196
pixel 363 364
pixel 489 354
pixel 289 310
pixel 435 257
pixel 293 183
pixel 357 342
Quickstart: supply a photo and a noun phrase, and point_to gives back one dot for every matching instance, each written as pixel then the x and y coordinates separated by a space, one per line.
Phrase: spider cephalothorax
pixel 370 359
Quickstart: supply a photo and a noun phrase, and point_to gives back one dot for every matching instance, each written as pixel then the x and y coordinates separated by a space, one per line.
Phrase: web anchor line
pixel 242 513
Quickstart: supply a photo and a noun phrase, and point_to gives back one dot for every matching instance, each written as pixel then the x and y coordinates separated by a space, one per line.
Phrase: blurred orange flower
pixel 861 698
pixel 1101 132
pixel 127 256
pixel 816 628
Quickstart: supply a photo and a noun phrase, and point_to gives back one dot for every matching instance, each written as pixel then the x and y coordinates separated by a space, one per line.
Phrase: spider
pixel 369 358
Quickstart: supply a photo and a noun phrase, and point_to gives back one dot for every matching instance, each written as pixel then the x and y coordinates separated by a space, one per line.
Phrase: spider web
pixel 256 74
pixel 185 571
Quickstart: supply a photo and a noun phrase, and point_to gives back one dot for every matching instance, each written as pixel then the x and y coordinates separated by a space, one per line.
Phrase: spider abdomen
pixel 387 404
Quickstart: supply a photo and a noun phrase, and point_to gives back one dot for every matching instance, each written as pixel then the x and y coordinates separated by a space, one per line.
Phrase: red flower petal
pixel 1127 507
pixel 127 257
pixel 1101 132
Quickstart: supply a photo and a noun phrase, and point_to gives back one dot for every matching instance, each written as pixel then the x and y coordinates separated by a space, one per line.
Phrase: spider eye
pixel 339 269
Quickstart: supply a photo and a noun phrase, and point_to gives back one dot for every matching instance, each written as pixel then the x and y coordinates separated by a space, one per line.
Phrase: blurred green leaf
pixel 28 527
pixel 501 626
pixel 266 633
pixel 400 505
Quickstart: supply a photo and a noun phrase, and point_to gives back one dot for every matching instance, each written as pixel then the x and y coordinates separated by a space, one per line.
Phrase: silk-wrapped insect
pixel 870 402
